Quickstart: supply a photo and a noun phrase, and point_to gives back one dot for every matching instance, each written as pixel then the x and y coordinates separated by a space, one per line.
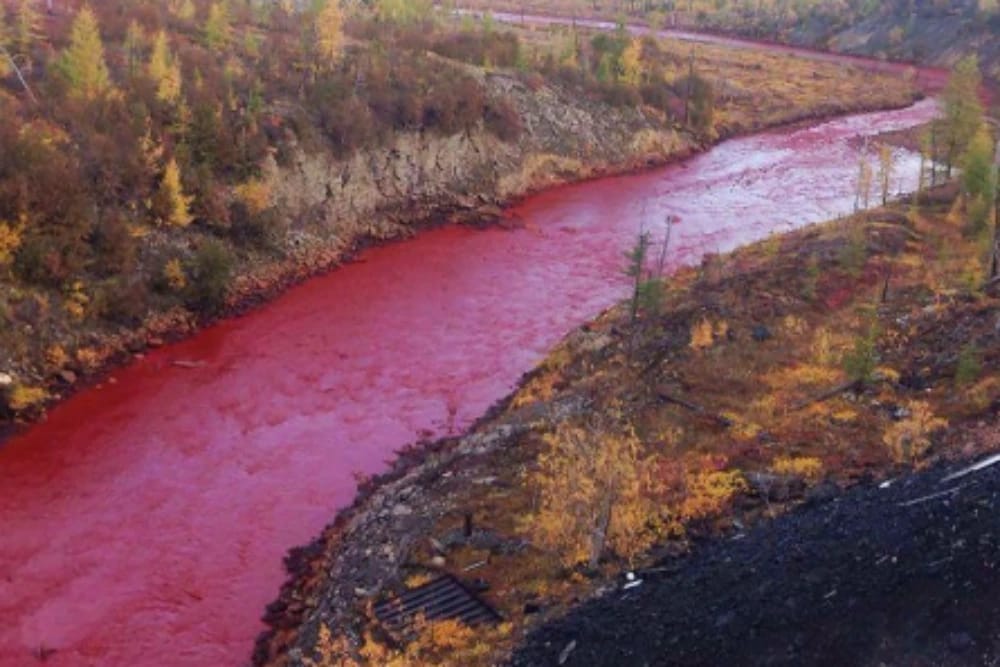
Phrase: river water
pixel 145 521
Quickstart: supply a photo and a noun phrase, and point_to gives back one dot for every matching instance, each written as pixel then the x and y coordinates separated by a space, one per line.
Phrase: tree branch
pixel 17 70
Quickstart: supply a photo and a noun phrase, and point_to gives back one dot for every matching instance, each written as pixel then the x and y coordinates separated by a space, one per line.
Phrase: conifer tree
pixel 171 193
pixel 29 25
pixel 631 63
pixel 135 37
pixel 4 42
pixel 82 62
pixel 329 25
pixel 164 70
pixel 963 112
pixel 217 26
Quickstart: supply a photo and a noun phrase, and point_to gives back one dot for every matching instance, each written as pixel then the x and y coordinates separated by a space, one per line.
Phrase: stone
pixel 6 379
pixel 67 376
pixel 761 333
pixel 401 510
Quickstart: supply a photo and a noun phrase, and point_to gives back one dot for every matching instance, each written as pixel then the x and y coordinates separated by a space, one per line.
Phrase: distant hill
pixel 925 31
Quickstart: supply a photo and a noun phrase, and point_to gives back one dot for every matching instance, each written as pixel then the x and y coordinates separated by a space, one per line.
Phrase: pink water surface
pixel 144 523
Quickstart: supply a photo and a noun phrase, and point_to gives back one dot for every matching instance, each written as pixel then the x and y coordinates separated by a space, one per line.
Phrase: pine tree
pixel 217 27
pixel 171 192
pixel 164 70
pixel 29 25
pixel 329 27
pixel 977 165
pixel 978 181
pixel 82 62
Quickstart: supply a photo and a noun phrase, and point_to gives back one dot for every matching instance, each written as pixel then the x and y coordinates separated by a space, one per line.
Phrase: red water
pixel 144 523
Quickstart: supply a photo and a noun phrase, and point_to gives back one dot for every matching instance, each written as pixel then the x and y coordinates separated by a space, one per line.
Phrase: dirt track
pixel 872 577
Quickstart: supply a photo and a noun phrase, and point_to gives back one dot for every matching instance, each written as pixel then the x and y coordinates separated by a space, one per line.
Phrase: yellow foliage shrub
pixel 595 488
pixel 888 374
pixel 445 642
pixel 174 276
pixel 56 357
pixel 89 358
pixel 742 429
pixel 908 440
pixel 802 375
pixel 539 388
pixel 255 194
pixel 10 241
pixel 708 492
pixel 824 348
pixel 702 335
pixel 982 394
pixel 23 397
pixel 846 415
pixel 794 326
pixel 799 466
pixel 418 579
pixel 76 302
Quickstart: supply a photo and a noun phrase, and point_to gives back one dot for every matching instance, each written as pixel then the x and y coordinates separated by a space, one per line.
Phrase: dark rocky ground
pixel 904 575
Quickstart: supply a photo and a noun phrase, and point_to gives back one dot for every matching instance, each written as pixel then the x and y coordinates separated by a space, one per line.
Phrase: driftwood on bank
pixel 827 395
pixel 668 397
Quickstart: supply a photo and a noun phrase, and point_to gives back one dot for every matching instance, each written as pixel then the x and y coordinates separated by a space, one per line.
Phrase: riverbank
pixel 339 207
pixel 783 372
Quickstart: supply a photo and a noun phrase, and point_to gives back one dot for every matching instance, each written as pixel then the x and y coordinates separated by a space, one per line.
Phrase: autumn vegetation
pixel 134 200
pixel 725 394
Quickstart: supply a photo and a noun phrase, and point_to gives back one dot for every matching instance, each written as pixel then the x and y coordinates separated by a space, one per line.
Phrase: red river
pixel 145 521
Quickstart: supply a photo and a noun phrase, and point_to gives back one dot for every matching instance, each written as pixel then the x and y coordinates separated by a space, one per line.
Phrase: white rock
pixel 6 380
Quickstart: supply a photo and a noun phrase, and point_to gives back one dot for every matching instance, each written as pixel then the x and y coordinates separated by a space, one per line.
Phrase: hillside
pixel 932 33
pixel 162 164
pixel 919 31
pixel 857 350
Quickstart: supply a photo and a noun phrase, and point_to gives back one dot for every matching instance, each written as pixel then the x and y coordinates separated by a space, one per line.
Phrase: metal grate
pixel 437 600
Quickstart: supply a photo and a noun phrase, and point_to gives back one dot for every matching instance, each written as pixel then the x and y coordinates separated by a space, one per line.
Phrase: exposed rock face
pixel 380 193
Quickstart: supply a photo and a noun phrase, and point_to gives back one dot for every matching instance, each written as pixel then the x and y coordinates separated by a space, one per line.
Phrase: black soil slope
pixel 873 577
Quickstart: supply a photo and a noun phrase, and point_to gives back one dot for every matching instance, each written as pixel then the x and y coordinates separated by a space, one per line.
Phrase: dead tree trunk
pixel 20 77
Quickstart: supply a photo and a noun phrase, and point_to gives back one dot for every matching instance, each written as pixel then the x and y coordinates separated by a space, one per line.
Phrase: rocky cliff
pixel 418 178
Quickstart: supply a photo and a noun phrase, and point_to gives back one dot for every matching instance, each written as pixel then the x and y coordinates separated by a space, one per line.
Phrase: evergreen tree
pixel 82 62
pixel 963 112
pixel 977 165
